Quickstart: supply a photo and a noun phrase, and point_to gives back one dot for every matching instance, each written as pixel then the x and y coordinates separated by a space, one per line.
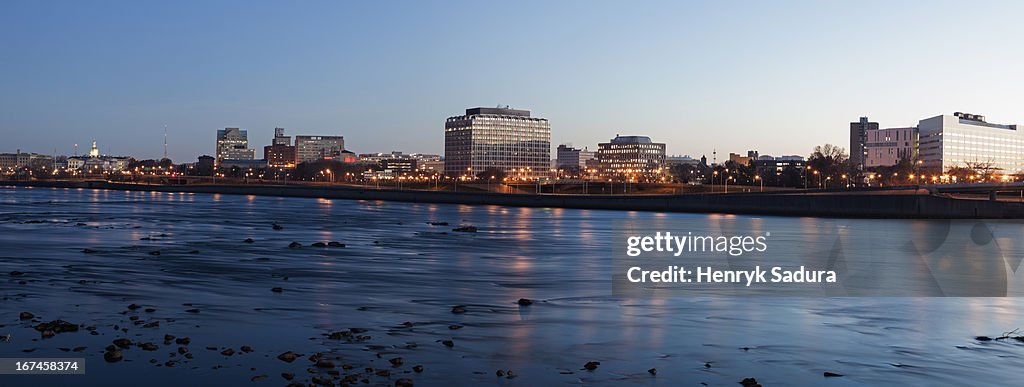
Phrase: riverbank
pixel 880 204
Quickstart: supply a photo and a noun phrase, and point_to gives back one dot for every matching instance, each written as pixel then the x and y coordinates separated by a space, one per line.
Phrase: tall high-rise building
pixel 499 138
pixel 233 144
pixel 968 141
pixel 631 156
pixel 315 148
pixel 858 139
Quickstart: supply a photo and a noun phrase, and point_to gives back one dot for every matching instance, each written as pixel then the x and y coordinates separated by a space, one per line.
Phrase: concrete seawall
pixel 845 205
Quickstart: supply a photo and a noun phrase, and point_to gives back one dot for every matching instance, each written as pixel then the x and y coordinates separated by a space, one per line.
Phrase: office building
pixel 500 138
pixel 858 139
pixel 572 160
pixel 233 143
pixel 281 152
pixel 969 141
pixel 631 157
pixel 887 147
pixel 765 165
pixel 316 148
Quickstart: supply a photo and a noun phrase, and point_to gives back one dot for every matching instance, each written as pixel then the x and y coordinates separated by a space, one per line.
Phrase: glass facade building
pixel 233 144
pixel 968 141
pixel 506 139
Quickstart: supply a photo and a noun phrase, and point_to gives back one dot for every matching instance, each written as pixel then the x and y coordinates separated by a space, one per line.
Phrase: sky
pixel 779 77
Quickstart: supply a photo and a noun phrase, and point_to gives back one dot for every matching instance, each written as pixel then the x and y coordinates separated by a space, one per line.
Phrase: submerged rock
pixel 288 357
pixel 653 371
pixel 319 244
pixel 54 327
pixel 335 244
pixel 88 251
pixel 227 352
pixel 26 316
pixel 294 245
pixel 276 226
pixel 750 382
pixel 417 368
pixel 123 343
pixel 448 343
pixel 396 361
pixel 113 356
pixel 832 375
pixel 249 240
pixel 465 229
pixel 459 309
pixel 591 365
pixel 276 290
pixel 403 382
pixel 525 302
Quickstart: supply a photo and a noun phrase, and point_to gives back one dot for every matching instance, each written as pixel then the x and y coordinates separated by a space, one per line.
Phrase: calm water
pixel 397 268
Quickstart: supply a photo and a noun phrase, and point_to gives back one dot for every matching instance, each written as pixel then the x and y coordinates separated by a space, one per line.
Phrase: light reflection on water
pixel 398 268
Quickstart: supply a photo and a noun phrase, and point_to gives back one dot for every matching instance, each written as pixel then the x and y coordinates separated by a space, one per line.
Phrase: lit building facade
pixel 315 148
pixel 233 143
pixel 96 162
pixel 886 147
pixel 967 140
pixel 281 152
pixel 506 139
pixel 631 156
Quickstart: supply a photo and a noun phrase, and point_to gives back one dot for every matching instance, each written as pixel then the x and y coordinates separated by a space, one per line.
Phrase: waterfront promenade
pixel 844 204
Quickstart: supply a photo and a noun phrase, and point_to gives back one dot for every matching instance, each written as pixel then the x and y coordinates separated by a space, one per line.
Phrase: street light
pixel 758 178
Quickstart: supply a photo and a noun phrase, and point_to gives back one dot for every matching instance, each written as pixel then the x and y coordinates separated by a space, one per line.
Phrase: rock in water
pixel 113 356
pixel 525 302
pixel 459 309
pixel 288 357
pixel 403 382
pixel 25 316
pixel 750 382
pixel 591 365
pixel 832 375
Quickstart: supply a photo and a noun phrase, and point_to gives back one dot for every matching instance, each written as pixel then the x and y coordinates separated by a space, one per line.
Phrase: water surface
pixel 399 277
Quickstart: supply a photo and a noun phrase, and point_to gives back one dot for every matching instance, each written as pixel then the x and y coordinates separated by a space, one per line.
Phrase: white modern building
pixel 887 147
pixel 499 138
pixel 968 141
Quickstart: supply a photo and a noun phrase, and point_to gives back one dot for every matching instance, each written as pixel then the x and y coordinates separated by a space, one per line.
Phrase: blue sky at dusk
pixel 779 77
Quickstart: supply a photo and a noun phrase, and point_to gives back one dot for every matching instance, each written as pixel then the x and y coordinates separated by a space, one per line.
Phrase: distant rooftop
pixel 631 140
pixel 499 111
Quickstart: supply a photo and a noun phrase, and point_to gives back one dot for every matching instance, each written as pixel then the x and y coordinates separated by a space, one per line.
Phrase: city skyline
pixel 696 76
